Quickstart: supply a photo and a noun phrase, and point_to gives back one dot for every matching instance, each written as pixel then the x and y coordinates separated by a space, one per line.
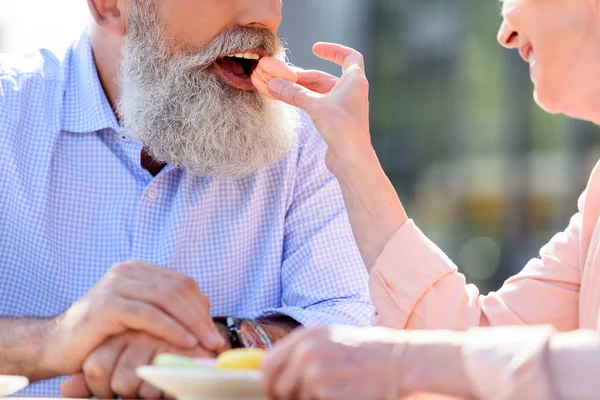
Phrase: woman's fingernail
pixel 276 85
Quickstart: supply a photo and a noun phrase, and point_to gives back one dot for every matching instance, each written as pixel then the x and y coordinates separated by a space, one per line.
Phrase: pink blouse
pixel 414 285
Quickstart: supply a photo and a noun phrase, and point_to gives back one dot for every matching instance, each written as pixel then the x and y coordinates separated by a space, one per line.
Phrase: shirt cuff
pixel 505 363
pixel 356 316
pixel 408 266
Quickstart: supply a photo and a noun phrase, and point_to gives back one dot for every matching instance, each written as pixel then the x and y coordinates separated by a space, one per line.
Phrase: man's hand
pixel 131 296
pixel 111 369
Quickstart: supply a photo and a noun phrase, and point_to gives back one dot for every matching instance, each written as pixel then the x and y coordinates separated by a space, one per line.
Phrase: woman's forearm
pixel 432 363
pixel 374 209
pixel 574 364
pixel 502 363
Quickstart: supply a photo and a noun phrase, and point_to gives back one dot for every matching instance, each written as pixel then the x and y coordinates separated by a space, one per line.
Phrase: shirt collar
pixel 85 107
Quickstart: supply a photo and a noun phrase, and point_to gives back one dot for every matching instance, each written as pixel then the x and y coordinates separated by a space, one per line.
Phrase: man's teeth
pixel 531 58
pixel 248 56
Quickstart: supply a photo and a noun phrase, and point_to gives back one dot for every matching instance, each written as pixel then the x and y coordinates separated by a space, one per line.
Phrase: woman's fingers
pixel 346 57
pixel 313 83
pixel 288 383
pixel 297 96
pixel 276 362
pixel 317 81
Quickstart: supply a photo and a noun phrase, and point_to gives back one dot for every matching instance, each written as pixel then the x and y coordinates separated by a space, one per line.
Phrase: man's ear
pixel 110 15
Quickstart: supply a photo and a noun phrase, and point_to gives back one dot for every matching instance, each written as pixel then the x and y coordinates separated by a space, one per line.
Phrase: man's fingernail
pixel 190 340
pixel 215 339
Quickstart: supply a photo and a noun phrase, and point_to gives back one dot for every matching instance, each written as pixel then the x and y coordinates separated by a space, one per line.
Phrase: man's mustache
pixel 234 40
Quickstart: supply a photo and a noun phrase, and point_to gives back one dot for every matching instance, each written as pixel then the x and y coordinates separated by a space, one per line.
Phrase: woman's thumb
pixel 293 94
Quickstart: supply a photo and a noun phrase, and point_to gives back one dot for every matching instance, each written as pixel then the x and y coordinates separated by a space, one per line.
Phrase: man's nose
pixel 507 36
pixel 260 14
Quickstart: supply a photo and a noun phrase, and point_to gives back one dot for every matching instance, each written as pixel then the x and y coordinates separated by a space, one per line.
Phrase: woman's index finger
pixel 339 54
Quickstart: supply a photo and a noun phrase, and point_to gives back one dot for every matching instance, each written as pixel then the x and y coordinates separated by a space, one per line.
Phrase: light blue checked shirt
pixel 74 201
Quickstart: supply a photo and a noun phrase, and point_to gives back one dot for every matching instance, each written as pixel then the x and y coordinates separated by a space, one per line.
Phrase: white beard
pixel 185 116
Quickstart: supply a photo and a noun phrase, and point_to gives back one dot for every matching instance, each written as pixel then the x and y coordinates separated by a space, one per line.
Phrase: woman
pixel 415 286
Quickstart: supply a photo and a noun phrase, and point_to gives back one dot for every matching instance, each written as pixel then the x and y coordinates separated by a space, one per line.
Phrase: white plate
pixel 12 384
pixel 204 384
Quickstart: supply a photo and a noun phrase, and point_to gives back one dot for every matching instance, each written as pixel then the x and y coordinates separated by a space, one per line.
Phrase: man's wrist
pixel 50 358
pixel 278 326
pixel 25 347
pixel 243 333
pixel 261 333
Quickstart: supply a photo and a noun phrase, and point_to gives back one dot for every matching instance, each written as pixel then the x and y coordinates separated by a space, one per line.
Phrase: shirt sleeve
pixel 516 363
pixel 323 278
pixel 415 285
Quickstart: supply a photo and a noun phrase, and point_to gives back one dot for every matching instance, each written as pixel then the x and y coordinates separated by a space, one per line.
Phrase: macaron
pixel 241 359
pixel 270 68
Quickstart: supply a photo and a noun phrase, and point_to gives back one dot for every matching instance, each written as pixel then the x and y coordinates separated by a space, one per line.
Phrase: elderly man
pixel 152 201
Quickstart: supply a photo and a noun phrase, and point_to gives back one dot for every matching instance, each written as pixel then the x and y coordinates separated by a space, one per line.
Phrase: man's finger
pixel 147 391
pixel 99 367
pixel 75 387
pixel 124 381
pixel 181 298
pixel 295 95
pixel 187 305
pixel 317 81
pixel 140 316
pixel 344 56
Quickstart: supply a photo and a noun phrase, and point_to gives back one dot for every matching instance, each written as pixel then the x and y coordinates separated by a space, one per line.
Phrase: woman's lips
pixel 525 51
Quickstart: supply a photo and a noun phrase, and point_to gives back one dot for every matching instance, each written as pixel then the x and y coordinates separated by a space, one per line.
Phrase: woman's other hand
pixel 331 363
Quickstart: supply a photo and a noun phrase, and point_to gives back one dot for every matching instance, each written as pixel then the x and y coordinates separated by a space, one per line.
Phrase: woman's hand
pixel 340 110
pixel 339 107
pixel 332 363
pixel 367 363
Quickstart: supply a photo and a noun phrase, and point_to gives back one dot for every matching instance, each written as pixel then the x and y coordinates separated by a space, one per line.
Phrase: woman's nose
pixel 507 36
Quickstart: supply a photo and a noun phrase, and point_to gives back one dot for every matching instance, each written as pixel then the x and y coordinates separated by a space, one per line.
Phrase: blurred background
pixel 485 173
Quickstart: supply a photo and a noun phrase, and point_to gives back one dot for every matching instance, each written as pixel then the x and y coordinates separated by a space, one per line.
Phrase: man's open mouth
pixel 236 69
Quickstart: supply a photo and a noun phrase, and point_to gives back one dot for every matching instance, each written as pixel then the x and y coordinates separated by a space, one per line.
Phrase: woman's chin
pixel 572 110
pixel 548 105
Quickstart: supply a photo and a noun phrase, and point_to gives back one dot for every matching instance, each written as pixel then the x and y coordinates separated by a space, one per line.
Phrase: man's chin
pixel 225 164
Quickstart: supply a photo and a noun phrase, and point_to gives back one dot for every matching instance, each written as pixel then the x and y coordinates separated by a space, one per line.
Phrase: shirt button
pixel 152 193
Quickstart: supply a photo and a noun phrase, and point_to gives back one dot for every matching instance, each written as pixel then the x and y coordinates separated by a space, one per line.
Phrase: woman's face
pixel 560 41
